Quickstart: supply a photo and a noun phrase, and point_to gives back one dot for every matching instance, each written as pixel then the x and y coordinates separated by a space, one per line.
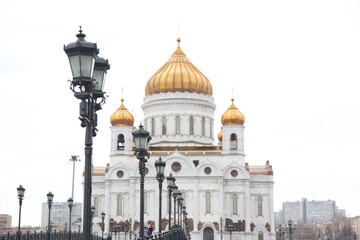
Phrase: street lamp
pixel 50 197
pixel 281 232
pixel 183 215
pixel 111 228
pixel 89 71
pixel 142 139
pixel 130 228
pixel 230 228
pixel 20 192
pixel 175 195
pixel 160 167
pixel 180 202
pixel 92 217
pixel 221 228
pixel 70 203
pixel 74 158
pixel 102 225
pixel 171 183
pixel 291 227
pixel 116 229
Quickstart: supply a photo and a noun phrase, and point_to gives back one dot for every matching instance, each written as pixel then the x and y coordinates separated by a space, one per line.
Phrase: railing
pixel 54 235
pixel 176 233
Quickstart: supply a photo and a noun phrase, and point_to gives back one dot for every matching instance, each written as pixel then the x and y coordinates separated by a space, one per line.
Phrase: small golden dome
pixel 178 74
pixel 220 136
pixel 122 117
pixel 232 116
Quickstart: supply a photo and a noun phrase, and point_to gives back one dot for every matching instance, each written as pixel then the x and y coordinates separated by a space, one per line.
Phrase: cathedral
pixel 218 186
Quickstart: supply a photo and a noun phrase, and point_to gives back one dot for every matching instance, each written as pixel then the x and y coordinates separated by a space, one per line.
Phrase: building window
pixel 191 125
pixel 233 141
pixel 119 204
pixel 203 126
pixel 177 124
pixel 152 126
pixel 235 204
pixel 208 202
pixel 163 123
pixel 96 205
pixel 120 142
pixel 261 236
pixel 260 205
pixel 145 203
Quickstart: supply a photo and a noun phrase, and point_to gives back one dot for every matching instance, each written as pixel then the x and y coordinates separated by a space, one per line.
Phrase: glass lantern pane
pixel 86 65
pixel 75 66
pixel 99 77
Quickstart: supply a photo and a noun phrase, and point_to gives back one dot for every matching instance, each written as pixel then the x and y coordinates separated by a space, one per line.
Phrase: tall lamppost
pixel 142 139
pixel 221 223
pixel 74 158
pixel 89 72
pixel 20 192
pixel 175 195
pixel 160 167
pixel 180 202
pixel 102 225
pixel 50 197
pixel 171 183
pixel 70 203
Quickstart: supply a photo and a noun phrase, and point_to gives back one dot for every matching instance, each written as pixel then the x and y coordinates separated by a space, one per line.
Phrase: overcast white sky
pixel 294 67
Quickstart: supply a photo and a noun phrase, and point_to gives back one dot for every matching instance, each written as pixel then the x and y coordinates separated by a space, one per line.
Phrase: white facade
pixel 215 180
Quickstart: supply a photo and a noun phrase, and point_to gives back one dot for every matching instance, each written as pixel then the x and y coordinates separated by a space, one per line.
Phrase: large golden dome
pixel 178 74
pixel 232 116
pixel 122 117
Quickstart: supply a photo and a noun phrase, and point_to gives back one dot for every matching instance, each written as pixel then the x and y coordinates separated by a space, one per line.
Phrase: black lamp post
pixel 116 229
pixel 102 225
pixel 142 139
pixel 354 236
pixel 281 232
pixel 112 222
pixel 20 192
pixel 183 215
pixel 92 217
pixel 180 202
pixel 70 203
pixel 175 195
pixel 291 227
pixel 160 167
pixel 89 71
pixel 171 183
pixel 130 228
pixel 50 197
pixel 221 228
pixel 230 228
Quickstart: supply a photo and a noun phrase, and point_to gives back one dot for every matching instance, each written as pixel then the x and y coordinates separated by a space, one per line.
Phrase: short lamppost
pixel 171 183
pixel 116 229
pixel 111 227
pixel 20 192
pixel 182 215
pixel 354 236
pixel 175 195
pixel 160 167
pixel 230 228
pixel 102 224
pixel 70 203
pixel 50 197
pixel 142 139
pixel 180 202
pixel 221 228
pixel 89 72
pixel 281 232
pixel 74 158
pixel 291 227
pixel 130 228
pixel 92 217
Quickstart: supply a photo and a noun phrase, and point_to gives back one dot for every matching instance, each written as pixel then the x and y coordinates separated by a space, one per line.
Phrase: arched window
pixel 191 125
pixel 233 141
pixel 260 205
pixel 235 204
pixel 120 142
pixel 177 124
pixel 119 205
pixel 96 205
pixel 163 124
pixel 203 126
pixel 261 236
pixel 208 202
pixel 208 233
pixel 152 126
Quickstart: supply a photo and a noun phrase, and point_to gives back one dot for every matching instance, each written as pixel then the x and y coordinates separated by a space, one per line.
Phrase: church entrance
pixel 208 234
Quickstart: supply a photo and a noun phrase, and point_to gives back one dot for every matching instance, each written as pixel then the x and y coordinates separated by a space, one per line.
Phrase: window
pixel 203 126
pixel 163 123
pixel 260 206
pixel 120 142
pixel 119 205
pixel 261 236
pixel 233 141
pixel 208 202
pixel 96 205
pixel 235 204
pixel 191 125
pixel 177 124
pixel 152 126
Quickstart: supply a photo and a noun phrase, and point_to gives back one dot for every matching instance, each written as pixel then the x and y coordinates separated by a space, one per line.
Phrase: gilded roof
pixel 232 116
pixel 178 74
pixel 122 117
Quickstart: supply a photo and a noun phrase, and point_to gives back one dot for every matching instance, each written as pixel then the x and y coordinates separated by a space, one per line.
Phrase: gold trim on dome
pixel 233 116
pixel 178 74
pixel 220 136
pixel 122 117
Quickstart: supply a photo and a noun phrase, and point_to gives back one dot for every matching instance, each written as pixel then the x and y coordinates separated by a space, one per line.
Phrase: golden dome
pixel 178 74
pixel 220 136
pixel 232 116
pixel 122 117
